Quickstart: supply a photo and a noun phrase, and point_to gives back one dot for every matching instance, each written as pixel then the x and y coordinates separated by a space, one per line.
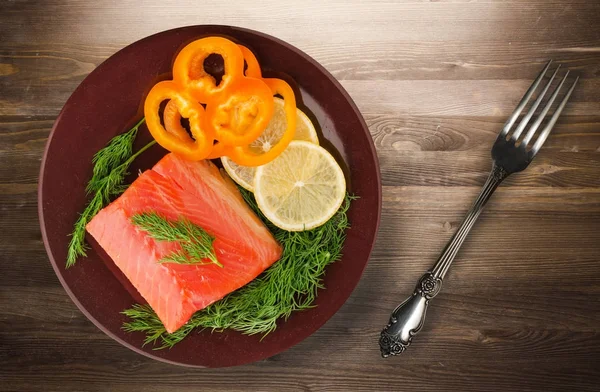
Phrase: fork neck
pixel 496 176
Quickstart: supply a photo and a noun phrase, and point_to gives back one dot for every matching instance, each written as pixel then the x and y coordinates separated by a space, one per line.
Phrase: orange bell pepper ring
pixel 243 155
pixel 243 114
pixel 176 138
pixel 189 73
pixel 253 68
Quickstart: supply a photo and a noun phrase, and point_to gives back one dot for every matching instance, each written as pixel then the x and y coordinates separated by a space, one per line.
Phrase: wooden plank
pixel 398 134
pixel 378 21
pixel 37 82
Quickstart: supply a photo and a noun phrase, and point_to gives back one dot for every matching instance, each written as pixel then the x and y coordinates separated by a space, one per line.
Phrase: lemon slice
pixel 305 130
pixel 300 189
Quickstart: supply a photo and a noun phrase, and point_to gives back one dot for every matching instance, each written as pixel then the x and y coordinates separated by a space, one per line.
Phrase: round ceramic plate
pixel 108 102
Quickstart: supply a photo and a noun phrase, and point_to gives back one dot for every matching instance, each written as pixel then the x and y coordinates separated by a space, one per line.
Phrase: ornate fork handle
pixel 408 317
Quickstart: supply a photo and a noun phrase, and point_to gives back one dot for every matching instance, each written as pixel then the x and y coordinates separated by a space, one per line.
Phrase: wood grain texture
pixel 435 81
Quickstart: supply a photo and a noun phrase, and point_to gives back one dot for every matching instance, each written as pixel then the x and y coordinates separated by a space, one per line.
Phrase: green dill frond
pixel 196 243
pixel 117 151
pixel 77 246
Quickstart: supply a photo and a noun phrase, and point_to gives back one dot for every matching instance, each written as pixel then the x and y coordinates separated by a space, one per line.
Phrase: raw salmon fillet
pixel 177 188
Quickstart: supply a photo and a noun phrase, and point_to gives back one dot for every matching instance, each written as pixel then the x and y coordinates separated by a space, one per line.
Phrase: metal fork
pixel 510 154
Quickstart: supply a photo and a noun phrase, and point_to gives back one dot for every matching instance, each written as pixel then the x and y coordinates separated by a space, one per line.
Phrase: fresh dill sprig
pixel 289 285
pixel 110 169
pixel 110 157
pixel 196 243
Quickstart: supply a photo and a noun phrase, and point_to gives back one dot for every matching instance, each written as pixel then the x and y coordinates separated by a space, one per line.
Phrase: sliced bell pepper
pixel 188 68
pixel 253 69
pixel 175 138
pixel 239 117
pixel 243 155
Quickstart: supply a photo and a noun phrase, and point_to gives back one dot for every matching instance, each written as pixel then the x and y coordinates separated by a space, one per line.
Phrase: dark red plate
pixel 108 102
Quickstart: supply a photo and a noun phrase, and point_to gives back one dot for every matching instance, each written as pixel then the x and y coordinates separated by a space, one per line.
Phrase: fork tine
pixel 531 111
pixel 546 131
pixel 513 117
pixel 542 115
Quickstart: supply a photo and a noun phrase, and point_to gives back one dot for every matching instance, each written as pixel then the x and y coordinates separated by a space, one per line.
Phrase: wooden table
pixel 434 81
